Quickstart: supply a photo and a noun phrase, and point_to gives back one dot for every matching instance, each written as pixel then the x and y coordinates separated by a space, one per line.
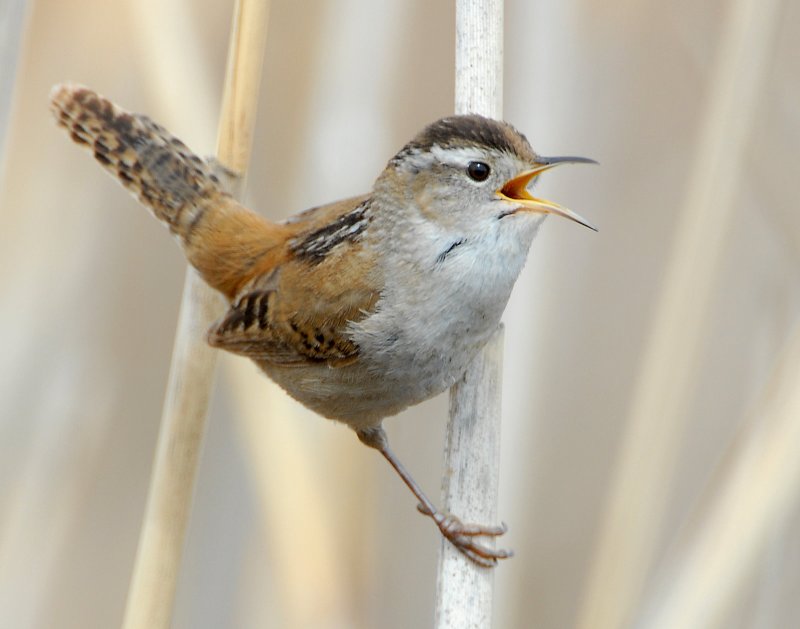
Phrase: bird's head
pixel 474 169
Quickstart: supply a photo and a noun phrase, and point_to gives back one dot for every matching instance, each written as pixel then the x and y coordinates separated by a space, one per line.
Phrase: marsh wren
pixel 363 307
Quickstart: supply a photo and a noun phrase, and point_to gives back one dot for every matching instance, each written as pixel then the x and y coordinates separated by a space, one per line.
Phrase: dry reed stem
pixel 152 590
pixel 660 402
pixel 472 446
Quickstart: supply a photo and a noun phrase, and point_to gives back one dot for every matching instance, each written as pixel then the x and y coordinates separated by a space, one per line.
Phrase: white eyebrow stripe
pixel 460 156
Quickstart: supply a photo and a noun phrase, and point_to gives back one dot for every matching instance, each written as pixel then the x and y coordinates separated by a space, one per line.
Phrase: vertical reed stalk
pixel 472 442
pixel 152 591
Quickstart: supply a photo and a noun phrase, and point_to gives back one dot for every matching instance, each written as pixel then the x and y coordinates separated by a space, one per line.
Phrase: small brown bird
pixel 359 308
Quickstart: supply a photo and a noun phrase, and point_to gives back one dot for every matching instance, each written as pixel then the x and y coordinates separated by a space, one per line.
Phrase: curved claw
pixel 478 559
pixel 480 554
pixel 462 537
pixel 470 530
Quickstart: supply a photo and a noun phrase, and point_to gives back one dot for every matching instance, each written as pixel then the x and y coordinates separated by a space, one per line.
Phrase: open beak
pixel 516 190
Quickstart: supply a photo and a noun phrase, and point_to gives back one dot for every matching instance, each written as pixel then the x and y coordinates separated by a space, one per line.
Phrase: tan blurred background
pixel 297 525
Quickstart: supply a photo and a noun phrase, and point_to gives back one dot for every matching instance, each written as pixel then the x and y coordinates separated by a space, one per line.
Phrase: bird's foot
pixel 462 536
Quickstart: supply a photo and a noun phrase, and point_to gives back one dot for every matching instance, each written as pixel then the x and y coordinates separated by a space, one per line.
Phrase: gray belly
pixel 365 392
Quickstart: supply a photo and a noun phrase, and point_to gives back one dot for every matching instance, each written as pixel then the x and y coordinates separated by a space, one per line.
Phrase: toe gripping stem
pixel 461 535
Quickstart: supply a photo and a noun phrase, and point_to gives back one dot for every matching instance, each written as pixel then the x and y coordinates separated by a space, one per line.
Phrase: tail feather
pixel 159 169
pixel 223 240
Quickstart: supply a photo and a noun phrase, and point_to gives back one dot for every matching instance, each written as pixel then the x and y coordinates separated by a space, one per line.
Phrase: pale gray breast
pixel 430 324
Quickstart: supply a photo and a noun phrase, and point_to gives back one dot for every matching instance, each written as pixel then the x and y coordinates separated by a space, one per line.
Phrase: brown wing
pixel 298 311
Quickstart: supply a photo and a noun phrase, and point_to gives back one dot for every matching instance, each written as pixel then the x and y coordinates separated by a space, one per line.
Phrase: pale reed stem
pixel 152 591
pixel 472 446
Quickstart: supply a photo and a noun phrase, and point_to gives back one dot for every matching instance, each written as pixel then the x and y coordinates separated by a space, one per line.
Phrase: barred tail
pixel 223 240
pixel 159 169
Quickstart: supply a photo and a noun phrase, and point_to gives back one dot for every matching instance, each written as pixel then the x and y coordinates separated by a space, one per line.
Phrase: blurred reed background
pixel 657 351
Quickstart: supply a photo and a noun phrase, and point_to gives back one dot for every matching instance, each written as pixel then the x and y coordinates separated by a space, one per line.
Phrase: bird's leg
pixel 459 534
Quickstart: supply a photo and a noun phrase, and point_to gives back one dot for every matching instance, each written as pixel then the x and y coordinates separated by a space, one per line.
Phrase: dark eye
pixel 478 171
